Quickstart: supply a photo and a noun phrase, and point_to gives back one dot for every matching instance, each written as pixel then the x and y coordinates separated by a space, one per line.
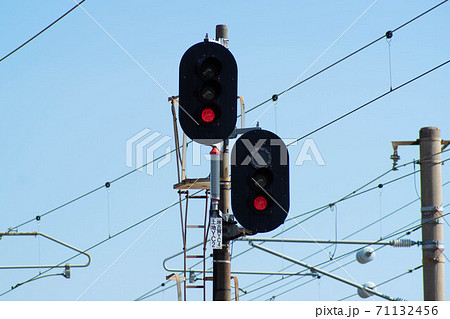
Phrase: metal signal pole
pixel 221 257
pixel 432 224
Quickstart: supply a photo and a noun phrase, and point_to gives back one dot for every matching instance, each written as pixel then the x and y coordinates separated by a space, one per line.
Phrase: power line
pixel 320 210
pixel 325 262
pixel 393 234
pixel 109 238
pixel 399 231
pixel 345 58
pixel 42 31
pixel 409 271
pixel 107 185
pixel 371 101
pixel 295 141
pixel 310 133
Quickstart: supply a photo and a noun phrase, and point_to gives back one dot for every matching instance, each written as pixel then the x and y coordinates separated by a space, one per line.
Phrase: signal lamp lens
pixel 262 178
pixel 210 90
pixel 260 203
pixel 208 93
pixel 210 68
pixel 208 115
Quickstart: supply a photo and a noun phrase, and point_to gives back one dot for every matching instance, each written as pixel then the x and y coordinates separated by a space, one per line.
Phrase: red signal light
pixel 208 115
pixel 260 203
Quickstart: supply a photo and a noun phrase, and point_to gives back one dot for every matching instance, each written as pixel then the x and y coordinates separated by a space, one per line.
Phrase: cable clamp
pixel 433 260
pixel 432 209
pixel 432 245
pixel 437 220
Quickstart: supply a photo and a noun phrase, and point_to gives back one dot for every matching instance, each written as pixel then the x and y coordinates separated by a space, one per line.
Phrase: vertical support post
pixel 432 227
pixel 183 159
pixel 221 257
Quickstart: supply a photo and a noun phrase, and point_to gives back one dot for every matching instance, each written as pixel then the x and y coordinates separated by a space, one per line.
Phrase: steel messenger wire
pixel 365 227
pixel 144 296
pixel 409 271
pixel 111 237
pixel 295 141
pixel 251 109
pixel 346 57
pixel 423 74
pixel 42 31
pixel 409 231
pixel 355 232
pixel 393 234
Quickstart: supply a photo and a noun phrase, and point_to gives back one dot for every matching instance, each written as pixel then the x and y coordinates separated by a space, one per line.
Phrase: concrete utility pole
pixel 432 227
pixel 432 223
pixel 221 257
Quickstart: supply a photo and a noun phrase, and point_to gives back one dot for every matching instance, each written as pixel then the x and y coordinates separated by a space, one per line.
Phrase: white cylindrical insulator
pixel 215 173
pixel 402 243
pixel 365 255
pixel 365 294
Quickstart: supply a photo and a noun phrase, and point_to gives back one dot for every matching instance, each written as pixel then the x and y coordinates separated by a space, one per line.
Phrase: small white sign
pixel 216 232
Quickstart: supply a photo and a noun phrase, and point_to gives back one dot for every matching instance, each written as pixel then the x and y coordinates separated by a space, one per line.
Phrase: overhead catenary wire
pixel 414 228
pixel 88 192
pixel 346 57
pixel 409 271
pixel 348 236
pixel 106 185
pixel 295 141
pixel 371 101
pixel 407 229
pixel 136 224
pixel 365 227
pixel 111 237
pixel 326 207
pixel 275 97
pixel 404 229
pixel 42 31
pixel 120 256
pixel 328 262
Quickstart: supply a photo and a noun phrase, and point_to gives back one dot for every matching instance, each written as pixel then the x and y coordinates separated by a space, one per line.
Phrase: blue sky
pixel 72 98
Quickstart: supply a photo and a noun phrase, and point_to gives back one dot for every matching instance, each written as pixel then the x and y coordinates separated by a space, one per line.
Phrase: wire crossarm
pixel 9 233
pixel 325 273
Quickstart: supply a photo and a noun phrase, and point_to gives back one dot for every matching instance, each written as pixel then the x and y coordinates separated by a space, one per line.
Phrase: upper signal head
pixel 208 92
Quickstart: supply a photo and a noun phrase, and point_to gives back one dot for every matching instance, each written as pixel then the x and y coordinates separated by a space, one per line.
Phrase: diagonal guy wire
pixel 132 58
pixel 126 250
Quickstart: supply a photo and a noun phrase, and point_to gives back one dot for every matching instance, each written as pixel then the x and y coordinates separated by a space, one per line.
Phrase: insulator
pixel 402 243
pixel 365 255
pixel 364 293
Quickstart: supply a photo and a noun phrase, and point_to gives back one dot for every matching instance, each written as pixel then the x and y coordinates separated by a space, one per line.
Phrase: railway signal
pixel 260 181
pixel 208 92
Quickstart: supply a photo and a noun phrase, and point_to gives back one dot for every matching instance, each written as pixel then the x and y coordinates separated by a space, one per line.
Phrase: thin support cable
pixel 109 238
pixel 318 58
pixel 120 256
pixel 371 101
pixel 348 56
pixel 409 271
